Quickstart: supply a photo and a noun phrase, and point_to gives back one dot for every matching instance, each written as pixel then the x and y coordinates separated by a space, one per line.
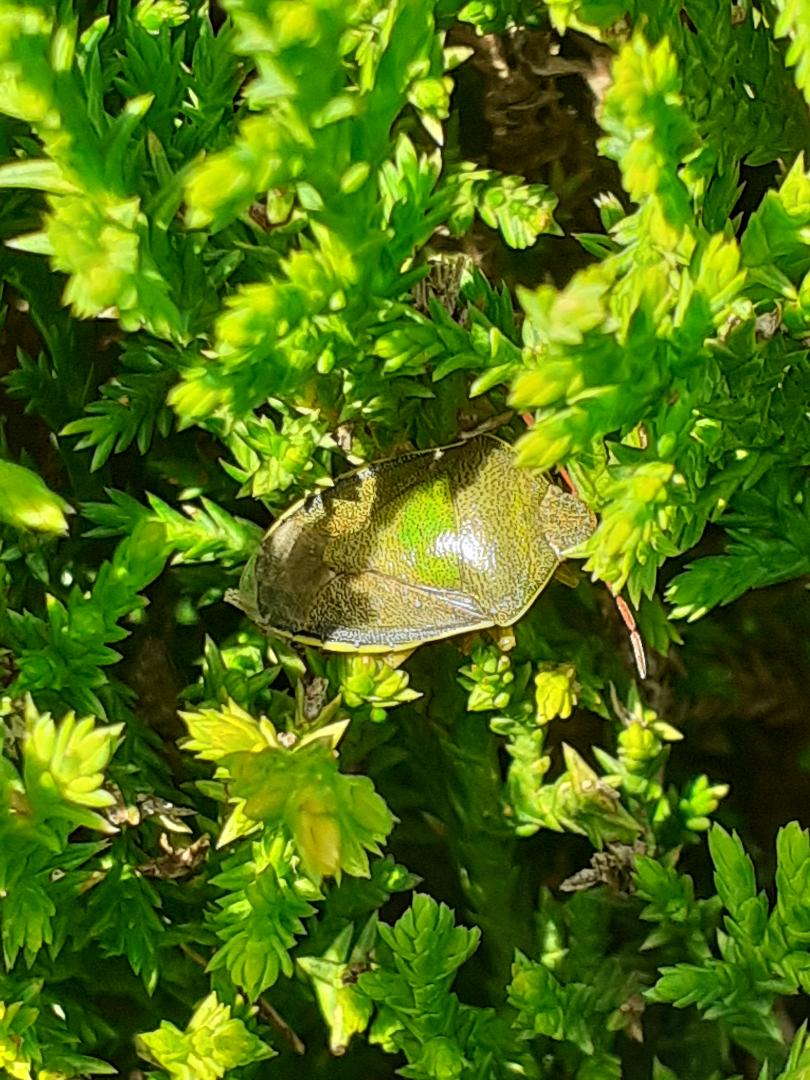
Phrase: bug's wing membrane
pixel 365 610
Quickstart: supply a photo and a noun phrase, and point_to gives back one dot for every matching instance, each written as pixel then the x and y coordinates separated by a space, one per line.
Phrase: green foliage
pixel 660 341
pixel 27 503
pixel 55 789
pixel 131 408
pixel 794 22
pixel 762 953
pixel 293 786
pixel 34 1044
pixel 417 1012
pixel 214 1042
pixel 200 534
pixel 345 1008
pixel 260 916
pixel 369 686
pixel 249 246
pixel 65 651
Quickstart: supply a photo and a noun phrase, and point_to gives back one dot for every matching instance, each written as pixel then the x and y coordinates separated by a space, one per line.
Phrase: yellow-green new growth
pixel 284 782
pixel 213 1043
pixel 26 501
pixel 64 765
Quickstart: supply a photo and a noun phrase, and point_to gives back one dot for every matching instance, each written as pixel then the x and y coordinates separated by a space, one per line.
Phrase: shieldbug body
pixel 412 549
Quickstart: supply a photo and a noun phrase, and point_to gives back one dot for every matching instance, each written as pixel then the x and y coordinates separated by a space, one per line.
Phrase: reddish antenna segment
pixel 622 606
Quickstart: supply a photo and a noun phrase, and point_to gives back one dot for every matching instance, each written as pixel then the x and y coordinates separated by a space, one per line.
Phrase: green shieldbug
pixel 412 549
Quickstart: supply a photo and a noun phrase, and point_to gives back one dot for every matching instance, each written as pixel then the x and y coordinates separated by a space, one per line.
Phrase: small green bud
pixel 556 691
pixel 28 503
pixel 369 681
pixel 488 678
pixel 701 799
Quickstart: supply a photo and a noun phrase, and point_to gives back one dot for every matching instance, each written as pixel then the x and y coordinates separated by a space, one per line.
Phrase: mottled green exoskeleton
pixel 412 549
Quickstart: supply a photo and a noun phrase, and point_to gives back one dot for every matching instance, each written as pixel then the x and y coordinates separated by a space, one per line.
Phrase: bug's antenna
pixel 622 606
pixel 636 643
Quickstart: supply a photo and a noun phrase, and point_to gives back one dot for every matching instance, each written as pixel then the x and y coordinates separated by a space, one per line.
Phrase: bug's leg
pixel 567 574
pixel 504 637
pixel 492 423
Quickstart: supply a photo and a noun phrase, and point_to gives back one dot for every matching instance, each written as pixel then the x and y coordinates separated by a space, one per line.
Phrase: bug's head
pixel 245 597
pixel 567 521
